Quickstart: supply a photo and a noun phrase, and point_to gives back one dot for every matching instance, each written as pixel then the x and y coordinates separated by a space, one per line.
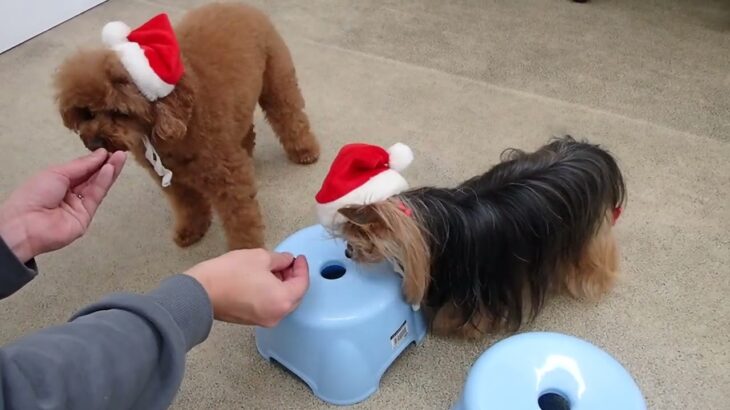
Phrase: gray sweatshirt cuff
pixel 188 303
pixel 13 273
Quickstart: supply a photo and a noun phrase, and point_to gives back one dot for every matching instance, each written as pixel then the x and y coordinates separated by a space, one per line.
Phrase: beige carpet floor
pixel 459 81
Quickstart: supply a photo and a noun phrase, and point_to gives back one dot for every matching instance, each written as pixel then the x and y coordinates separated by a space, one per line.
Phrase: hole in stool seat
pixel 333 270
pixel 553 401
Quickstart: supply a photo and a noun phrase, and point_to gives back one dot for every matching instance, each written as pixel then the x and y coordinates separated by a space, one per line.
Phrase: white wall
pixel 19 22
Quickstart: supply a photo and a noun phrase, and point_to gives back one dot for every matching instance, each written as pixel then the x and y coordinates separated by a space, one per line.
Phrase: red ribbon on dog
pixel 406 210
pixel 616 214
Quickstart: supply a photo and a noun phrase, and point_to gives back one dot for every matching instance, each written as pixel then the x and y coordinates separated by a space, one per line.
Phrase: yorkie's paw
pixel 413 296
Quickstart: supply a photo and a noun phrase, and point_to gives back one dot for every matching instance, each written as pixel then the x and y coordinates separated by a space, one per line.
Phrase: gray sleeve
pixel 125 352
pixel 13 274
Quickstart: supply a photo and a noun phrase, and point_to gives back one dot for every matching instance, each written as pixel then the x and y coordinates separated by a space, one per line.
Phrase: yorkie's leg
pixel 448 321
pixel 192 213
pixel 597 270
pixel 233 192
pixel 414 288
pixel 283 104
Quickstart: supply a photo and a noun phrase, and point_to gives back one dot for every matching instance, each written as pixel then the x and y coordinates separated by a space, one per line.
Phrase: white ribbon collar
pixel 154 159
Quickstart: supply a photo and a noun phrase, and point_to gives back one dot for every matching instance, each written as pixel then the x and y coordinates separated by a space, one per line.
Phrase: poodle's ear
pixel 73 116
pixel 173 113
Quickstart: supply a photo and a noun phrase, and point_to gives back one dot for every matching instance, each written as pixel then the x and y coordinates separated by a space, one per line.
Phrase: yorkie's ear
pixel 362 215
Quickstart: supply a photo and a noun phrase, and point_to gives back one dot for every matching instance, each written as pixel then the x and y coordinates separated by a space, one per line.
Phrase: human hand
pixel 253 287
pixel 56 206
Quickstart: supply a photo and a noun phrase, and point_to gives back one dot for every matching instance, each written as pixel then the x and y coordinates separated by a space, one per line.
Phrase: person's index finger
pixel 297 282
pixel 81 169
pixel 117 160
pixel 97 188
pixel 280 261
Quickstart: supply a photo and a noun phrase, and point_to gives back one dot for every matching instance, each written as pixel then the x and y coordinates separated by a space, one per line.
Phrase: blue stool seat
pixel 350 326
pixel 548 371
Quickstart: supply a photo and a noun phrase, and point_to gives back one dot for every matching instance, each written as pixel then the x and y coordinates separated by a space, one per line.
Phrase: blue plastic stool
pixel 548 371
pixel 350 326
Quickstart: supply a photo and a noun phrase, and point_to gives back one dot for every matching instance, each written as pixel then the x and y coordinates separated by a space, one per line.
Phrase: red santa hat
pixel 150 53
pixel 361 174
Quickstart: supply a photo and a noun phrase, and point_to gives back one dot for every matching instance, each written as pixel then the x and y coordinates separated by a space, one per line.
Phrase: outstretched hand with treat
pixel 55 207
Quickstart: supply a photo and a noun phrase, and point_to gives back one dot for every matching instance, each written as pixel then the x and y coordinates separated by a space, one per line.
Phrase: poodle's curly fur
pixel 203 131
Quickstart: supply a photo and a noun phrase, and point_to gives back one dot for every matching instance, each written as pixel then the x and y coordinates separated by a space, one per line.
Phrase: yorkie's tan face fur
pixel 361 243
pixel 382 232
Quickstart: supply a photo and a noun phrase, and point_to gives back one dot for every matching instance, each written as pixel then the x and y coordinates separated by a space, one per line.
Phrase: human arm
pixel 13 273
pixel 128 351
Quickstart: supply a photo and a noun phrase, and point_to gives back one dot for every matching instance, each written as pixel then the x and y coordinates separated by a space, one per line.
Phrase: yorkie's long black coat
pixel 498 243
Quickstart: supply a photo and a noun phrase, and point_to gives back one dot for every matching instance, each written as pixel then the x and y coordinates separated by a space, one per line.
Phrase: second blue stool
pixel 548 371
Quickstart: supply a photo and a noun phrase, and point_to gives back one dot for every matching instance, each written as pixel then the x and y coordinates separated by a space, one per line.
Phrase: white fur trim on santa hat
pixel 114 33
pixel 378 188
pixel 138 67
pixel 400 156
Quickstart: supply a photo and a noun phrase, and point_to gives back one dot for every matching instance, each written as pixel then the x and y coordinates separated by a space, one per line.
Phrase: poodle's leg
pixel 192 213
pixel 233 191
pixel 249 141
pixel 283 104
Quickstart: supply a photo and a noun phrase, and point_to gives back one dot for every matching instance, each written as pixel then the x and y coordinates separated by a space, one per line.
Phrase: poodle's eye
pixel 119 114
pixel 86 114
pixel 120 80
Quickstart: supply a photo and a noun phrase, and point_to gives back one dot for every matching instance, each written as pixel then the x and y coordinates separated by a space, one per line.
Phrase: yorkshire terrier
pixel 483 256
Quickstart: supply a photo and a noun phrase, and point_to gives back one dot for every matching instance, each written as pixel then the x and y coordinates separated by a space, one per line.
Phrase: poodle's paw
pixel 191 233
pixel 305 158
pixel 306 153
pixel 252 239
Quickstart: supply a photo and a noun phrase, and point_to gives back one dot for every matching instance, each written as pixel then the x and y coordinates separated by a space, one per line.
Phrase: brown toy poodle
pixel 182 101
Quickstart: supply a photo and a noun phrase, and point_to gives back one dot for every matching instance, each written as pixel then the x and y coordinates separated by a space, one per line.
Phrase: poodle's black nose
pixel 95 143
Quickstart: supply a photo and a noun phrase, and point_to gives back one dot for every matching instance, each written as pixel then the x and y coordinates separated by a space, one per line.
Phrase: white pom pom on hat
pixel 400 156
pixel 115 33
